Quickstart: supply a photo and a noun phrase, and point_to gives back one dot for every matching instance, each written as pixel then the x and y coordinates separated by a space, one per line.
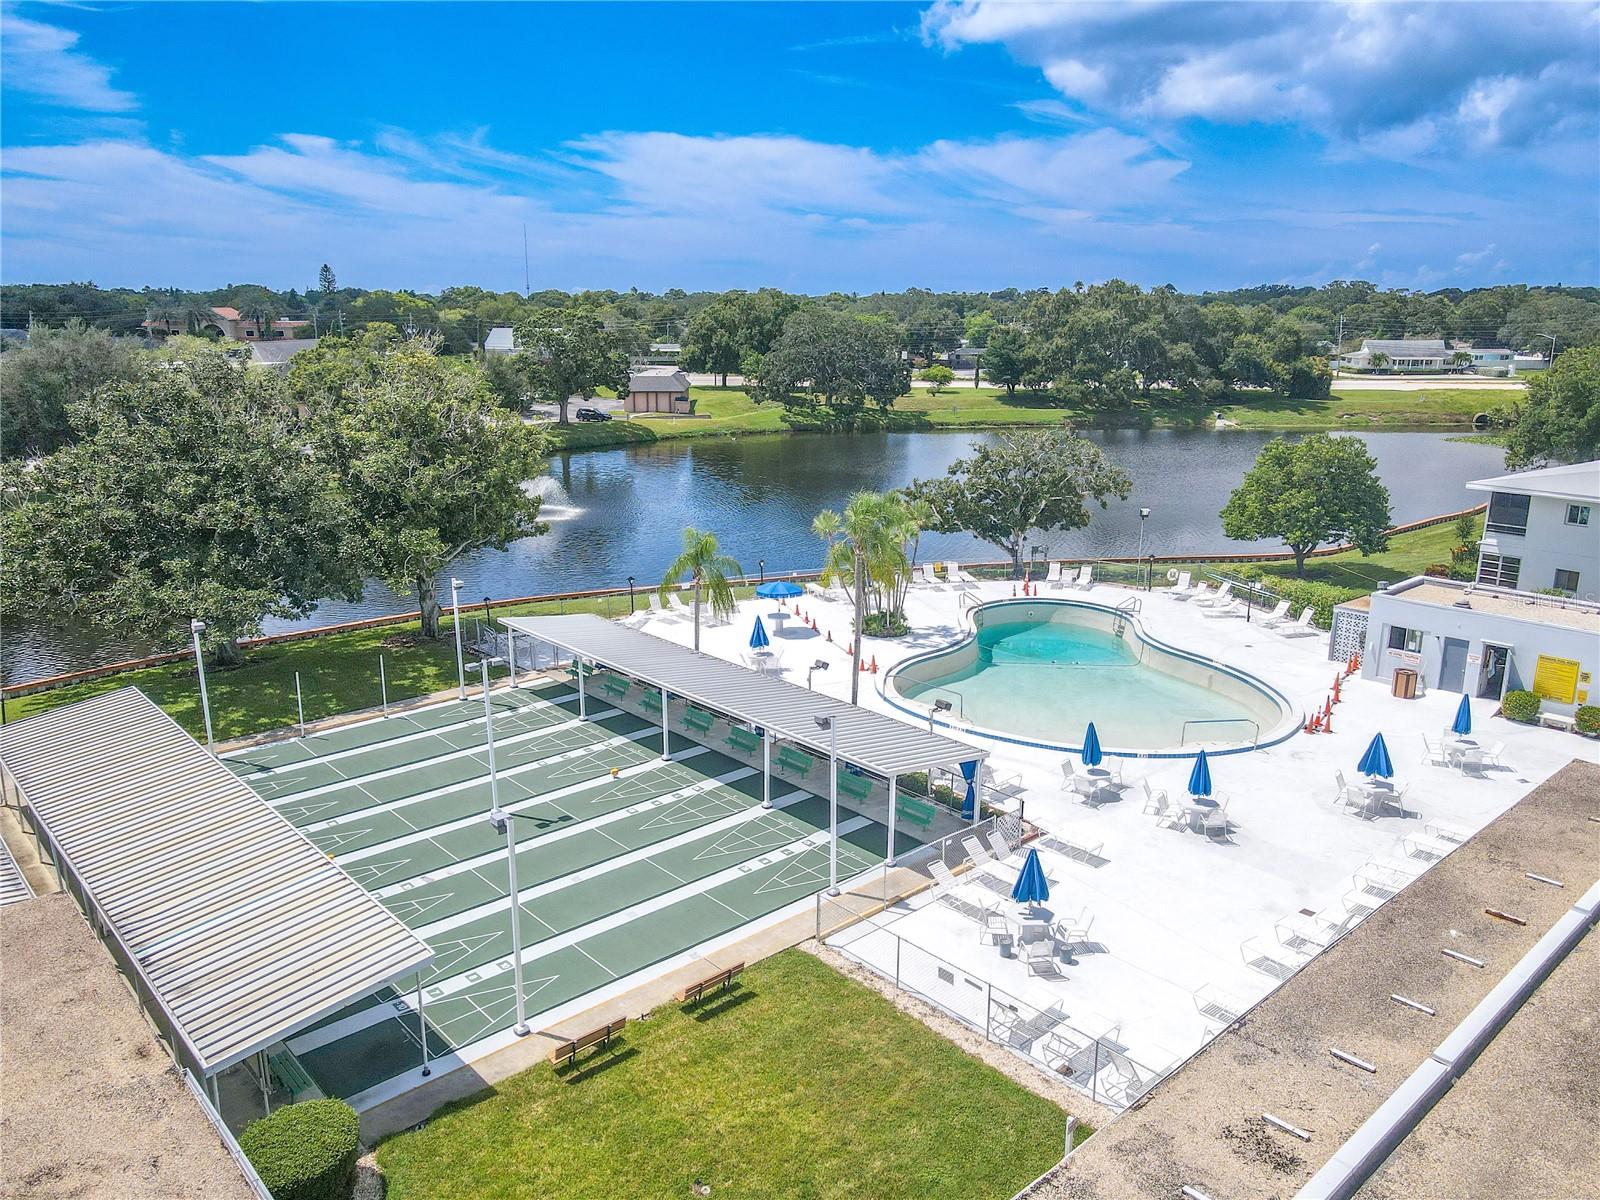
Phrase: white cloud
pixel 40 59
pixel 1383 78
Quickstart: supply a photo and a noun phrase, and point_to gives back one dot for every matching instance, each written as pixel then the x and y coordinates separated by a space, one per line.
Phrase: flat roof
pixel 241 928
pixel 90 1104
pixel 1572 481
pixel 1520 606
pixel 876 742
pixel 1202 1127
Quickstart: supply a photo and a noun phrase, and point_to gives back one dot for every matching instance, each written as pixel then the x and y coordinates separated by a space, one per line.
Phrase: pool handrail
pixel 1183 734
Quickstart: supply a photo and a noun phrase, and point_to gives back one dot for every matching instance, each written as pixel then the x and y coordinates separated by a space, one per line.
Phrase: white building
pixel 1543 530
pixel 1403 356
pixel 502 339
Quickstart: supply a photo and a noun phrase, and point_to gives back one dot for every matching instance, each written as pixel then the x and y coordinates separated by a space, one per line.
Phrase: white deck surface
pixel 1169 907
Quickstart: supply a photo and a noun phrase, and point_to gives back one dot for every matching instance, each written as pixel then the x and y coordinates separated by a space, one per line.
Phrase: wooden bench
pixel 614 685
pixel 718 982
pixel 798 761
pixel 856 787
pixel 747 741
pixel 292 1075
pixel 567 1051
pixel 915 810
pixel 698 719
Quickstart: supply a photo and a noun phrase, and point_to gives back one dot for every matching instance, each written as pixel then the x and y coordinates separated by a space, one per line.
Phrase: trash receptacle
pixel 1405 683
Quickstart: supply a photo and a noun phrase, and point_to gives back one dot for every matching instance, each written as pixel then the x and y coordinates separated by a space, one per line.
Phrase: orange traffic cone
pixel 874 664
pixel 1336 699
pixel 830 636
pixel 1316 723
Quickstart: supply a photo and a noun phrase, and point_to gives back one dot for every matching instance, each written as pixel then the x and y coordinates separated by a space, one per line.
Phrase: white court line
pixel 531 801
pixel 444 989
pixel 502 902
pixel 465 752
pixel 399 739
pixel 495 855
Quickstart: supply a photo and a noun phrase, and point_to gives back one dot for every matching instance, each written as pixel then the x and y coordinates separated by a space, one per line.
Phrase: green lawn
pixel 725 411
pixel 803 1084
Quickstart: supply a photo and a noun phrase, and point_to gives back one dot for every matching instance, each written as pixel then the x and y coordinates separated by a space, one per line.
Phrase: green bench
pixel 798 761
pixel 614 685
pixel 856 787
pixel 652 700
pixel 698 719
pixel 293 1076
pixel 915 810
pixel 746 741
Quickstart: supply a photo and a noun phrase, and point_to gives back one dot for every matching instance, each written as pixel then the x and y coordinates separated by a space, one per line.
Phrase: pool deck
pixel 1171 908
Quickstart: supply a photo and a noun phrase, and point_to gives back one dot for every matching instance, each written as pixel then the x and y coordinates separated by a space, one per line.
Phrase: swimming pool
pixel 1038 671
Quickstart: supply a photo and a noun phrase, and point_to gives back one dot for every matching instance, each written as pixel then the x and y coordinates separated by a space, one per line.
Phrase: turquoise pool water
pixel 1041 671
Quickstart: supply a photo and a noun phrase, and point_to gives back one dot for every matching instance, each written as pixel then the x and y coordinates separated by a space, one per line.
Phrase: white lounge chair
pixel 1000 845
pixel 1270 958
pixel 1184 589
pixel 926 577
pixel 1301 626
pixel 1231 609
pixel 1277 616
pixel 1053 575
pixel 1085 579
pixel 977 853
pixel 943 880
pixel 957 578
pixel 1202 591
pixel 676 604
pixel 823 593
pixel 1009 785
pixel 1223 595
pixel 964 578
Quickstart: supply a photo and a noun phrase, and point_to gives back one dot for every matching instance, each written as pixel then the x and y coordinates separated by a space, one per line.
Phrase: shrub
pixel 306 1151
pixel 1300 592
pixel 1587 718
pixel 1520 706
pixel 891 625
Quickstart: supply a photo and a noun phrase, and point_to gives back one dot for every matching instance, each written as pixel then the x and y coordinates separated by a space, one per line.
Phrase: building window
pixel 1566 581
pixel 1508 513
pixel 1577 514
pixel 1499 570
pixel 1401 638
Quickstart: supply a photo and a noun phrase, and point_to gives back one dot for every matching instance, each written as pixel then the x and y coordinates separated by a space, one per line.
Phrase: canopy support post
pixel 583 701
pixel 422 1029
pixel 666 732
pixel 766 768
pixel 894 781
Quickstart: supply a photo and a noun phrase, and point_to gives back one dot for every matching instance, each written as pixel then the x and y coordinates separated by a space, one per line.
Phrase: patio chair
pixel 1270 958
pixel 1231 609
pixel 1155 799
pixel 1446 833
pixel 1009 785
pixel 995 930
pixel 1424 847
pixel 1346 794
pixel 1214 1004
pixel 1215 821
pixel 1278 615
pixel 1201 591
pixel 1068 776
pixel 1120 1080
pixel 955 577
pixel 1301 626
pixel 1085 579
pixel 942 878
pixel 1053 576
pixel 1074 928
pixel 966 579
pixel 926 577
pixel 1184 589
pixel 977 853
pixel 999 845
pixel 1433 753
pixel 1039 956
pixel 1223 595
pixel 676 604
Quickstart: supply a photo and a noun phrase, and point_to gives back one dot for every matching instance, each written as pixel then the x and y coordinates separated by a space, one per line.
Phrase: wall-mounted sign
pixel 1555 679
pixel 1406 658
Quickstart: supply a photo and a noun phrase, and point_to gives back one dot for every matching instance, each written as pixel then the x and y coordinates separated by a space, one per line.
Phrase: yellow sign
pixel 1555 679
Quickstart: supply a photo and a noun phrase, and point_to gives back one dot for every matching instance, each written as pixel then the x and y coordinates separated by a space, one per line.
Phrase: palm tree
pixel 164 314
pixel 867 547
pixel 1378 361
pixel 703 564
pixel 260 308
pixel 196 314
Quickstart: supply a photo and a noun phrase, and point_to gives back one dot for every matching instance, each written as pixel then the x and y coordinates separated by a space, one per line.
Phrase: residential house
pixel 1543 530
pixel 502 339
pixel 658 390
pixel 275 355
pixel 228 324
pixel 1401 356
pixel 664 354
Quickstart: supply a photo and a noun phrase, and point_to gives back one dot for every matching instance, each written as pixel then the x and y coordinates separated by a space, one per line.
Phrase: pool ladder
pixel 1126 609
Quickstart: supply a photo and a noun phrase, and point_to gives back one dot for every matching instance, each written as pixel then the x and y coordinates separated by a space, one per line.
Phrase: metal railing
pixel 1183 735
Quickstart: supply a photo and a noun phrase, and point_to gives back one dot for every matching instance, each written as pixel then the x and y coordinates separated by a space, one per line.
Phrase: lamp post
pixel 505 822
pixel 939 706
pixel 630 595
pixel 461 666
pixel 763 564
pixel 196 628
pixel 1144 515
pixel 831 725
pixel 819 665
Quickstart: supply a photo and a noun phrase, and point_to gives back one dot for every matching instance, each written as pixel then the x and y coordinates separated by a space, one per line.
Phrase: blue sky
pixel 811 147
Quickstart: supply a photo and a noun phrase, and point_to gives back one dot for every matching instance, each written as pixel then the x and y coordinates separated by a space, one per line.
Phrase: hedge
pixel 1322 597
pixel 1587 719
pixel 306 1151
pixel 1520 706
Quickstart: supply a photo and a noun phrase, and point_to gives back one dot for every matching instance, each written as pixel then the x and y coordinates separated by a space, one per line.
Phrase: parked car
pixel 592 414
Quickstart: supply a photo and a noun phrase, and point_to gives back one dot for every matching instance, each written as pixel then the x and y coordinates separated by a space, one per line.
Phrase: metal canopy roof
pixel 240 928
pixel 875 742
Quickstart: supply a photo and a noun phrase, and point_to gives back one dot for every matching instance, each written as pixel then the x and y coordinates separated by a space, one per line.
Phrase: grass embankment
pixel 726 411
pixel 801 1083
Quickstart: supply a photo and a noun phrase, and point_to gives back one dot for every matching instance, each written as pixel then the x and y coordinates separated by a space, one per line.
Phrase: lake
pixel 615 513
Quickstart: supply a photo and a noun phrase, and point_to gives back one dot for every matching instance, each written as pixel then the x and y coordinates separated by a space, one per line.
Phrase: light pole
pixel 461 666
pixel 819 665
pixel 831 725
pixel 630 595
pixel 197 627
pixel 763 565
pixel 939 706
pixel 505 822
pixel 1144 515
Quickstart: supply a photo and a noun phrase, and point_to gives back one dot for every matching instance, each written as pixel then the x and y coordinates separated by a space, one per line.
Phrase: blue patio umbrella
pixel 1463 725
pixel 1091 748
pixel 969 772
pixel 1200 780
pixel 1031 886
pixel 1376 760
pixel 758 636
pixel 779 589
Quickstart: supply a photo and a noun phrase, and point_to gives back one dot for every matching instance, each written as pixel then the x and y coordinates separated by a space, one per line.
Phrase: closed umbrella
pixel 1031 886
pixel 1375 762
pixel 1200 778
pixel 1463 725
pixel 779 589
pixel 758 636
pixel 1091 748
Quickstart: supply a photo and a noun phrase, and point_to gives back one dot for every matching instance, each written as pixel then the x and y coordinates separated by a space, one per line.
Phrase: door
pixel 1492 675
pixel 1453 665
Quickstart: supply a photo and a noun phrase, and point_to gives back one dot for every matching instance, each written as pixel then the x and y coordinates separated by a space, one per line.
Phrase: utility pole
pixel 527 284
pixel 1338 346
